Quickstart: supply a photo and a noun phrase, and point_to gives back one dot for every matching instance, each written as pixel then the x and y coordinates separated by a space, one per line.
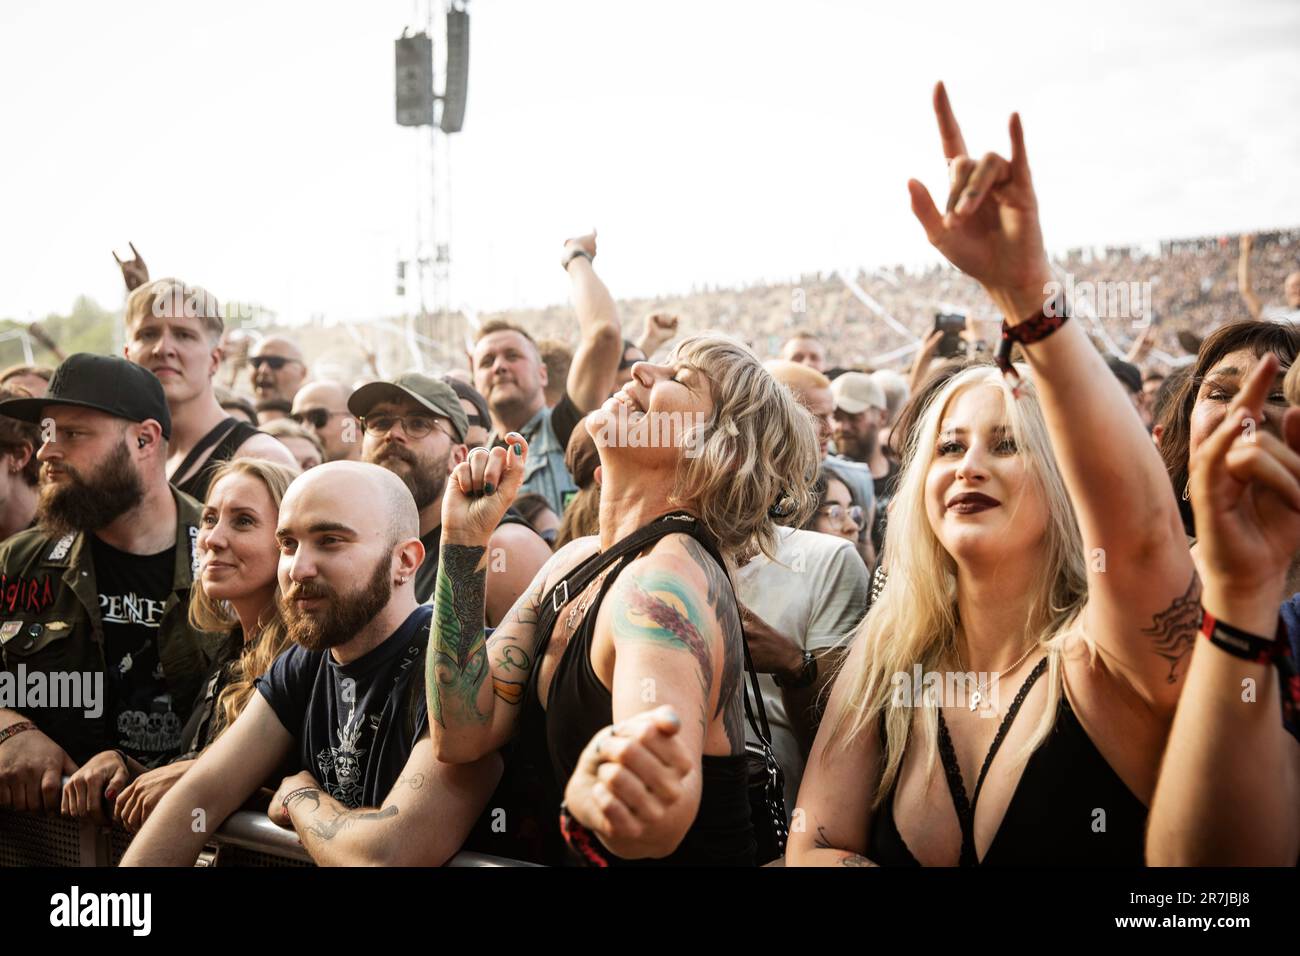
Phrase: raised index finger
pixel 949 132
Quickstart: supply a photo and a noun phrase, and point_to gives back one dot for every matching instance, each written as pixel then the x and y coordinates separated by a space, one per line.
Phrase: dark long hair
pixel 1175 440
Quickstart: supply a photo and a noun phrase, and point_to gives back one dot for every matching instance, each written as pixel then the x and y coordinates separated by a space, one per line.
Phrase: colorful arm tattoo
pixel 456 663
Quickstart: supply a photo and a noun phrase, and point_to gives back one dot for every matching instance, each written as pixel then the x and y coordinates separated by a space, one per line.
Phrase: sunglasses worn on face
pixel 315 417
pixel 415 426
pixel 276 362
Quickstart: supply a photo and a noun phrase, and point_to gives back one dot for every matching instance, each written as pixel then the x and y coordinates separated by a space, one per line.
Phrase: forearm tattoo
pixel 456 662
pixel 345 819
pixel 1174 629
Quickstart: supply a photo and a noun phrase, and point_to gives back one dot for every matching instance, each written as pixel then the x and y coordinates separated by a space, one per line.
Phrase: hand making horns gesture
pixel 989 229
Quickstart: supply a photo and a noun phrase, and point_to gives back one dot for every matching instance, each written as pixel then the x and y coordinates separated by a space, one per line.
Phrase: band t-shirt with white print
pixel 133 591
pixel 356 724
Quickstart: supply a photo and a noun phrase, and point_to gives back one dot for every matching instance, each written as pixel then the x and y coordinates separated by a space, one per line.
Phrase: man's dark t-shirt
pixel 426 575
pixel 356 724
pixel 133 591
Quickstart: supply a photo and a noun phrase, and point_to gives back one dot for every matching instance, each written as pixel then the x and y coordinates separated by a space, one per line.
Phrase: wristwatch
pixel 572 254
pixel 804 677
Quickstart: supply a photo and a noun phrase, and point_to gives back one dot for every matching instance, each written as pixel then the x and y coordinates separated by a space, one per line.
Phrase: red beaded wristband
pixel 581 840
pixel 1051 317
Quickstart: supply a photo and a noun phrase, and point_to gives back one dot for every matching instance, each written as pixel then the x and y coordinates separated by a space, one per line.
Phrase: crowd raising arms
pixel 1121 660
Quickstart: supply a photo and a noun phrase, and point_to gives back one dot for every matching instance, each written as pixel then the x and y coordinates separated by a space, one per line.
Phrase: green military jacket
pixel 50 624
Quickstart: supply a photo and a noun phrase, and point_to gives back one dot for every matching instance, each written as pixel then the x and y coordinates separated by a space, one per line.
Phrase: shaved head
pixel 355 490
pixel 277 345
pixel 331 395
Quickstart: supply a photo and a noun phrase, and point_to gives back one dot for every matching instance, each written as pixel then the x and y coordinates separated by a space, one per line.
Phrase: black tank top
pixel 579 705
pixel 1052 818
pixel 196 486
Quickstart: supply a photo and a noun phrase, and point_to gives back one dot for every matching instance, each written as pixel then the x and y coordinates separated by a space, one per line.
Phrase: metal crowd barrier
pixel 246 839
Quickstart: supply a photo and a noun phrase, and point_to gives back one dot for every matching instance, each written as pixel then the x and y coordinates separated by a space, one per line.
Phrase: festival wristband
pixel 1051 317
pixel 1259 650
pixel 14 729
pixel 1239 643
pixel 295 793
pixel 581 840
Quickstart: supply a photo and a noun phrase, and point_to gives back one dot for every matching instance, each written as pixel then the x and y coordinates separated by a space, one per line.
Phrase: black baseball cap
pixel 432 393
pixel 102 382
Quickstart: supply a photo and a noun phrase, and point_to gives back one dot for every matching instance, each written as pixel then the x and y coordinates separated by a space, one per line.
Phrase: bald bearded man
pixel 346 700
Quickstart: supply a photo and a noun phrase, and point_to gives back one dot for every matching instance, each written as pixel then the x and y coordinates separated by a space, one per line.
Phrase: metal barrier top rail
pixel 30 839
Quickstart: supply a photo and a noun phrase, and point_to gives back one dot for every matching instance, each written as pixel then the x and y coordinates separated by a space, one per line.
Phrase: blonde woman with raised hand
pixel 1035 543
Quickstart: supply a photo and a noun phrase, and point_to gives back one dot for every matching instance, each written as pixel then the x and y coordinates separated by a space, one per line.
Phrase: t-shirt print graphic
pixel 340 767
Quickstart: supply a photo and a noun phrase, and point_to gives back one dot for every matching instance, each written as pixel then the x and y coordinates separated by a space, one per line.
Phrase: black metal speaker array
pixel 453 100
pixel 415 80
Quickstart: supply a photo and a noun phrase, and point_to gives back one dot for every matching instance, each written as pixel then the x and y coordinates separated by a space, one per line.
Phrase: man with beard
pixel 346 703
pixel 861 412
pixel 415 426
pixel 99 590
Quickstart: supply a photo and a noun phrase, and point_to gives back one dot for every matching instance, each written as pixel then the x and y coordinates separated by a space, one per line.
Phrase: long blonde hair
pixel 206 614
pixel 914 620
pixel 758 451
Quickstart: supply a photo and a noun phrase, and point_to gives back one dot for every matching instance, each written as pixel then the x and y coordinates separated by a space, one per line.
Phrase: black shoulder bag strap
pixel 585 573
pixel 767 798
pixel 576 580
pixel 218 432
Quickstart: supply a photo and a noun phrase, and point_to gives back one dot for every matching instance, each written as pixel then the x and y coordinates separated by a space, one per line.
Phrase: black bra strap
pixel 952 769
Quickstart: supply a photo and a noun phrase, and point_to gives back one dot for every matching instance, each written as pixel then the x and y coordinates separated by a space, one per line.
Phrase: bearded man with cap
pixel 861 413
pixel 102 594
pixel 415 426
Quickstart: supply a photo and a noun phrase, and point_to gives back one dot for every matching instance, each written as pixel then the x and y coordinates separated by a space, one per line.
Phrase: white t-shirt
pixel 815 594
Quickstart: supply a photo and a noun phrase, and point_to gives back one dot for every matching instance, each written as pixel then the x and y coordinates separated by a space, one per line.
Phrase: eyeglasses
pixel 476 421
pixel 837 514
pixel 315 417
pixel 276 362
pixel 415 426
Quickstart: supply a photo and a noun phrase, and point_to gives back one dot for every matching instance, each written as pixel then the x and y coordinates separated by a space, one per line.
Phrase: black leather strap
pixel 218 432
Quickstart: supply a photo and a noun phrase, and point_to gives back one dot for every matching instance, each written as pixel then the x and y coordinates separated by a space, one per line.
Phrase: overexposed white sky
pixel 251 146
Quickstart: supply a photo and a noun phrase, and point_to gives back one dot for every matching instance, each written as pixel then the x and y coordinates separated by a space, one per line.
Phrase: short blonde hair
pixel 758 456
pixel 178 299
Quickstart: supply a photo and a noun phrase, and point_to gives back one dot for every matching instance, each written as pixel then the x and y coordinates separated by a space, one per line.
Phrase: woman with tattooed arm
pixel 1035 552
pixel 639 680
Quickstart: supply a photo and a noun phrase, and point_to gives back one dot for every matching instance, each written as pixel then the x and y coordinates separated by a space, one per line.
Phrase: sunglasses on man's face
pixel 276 362
pixel 315 417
